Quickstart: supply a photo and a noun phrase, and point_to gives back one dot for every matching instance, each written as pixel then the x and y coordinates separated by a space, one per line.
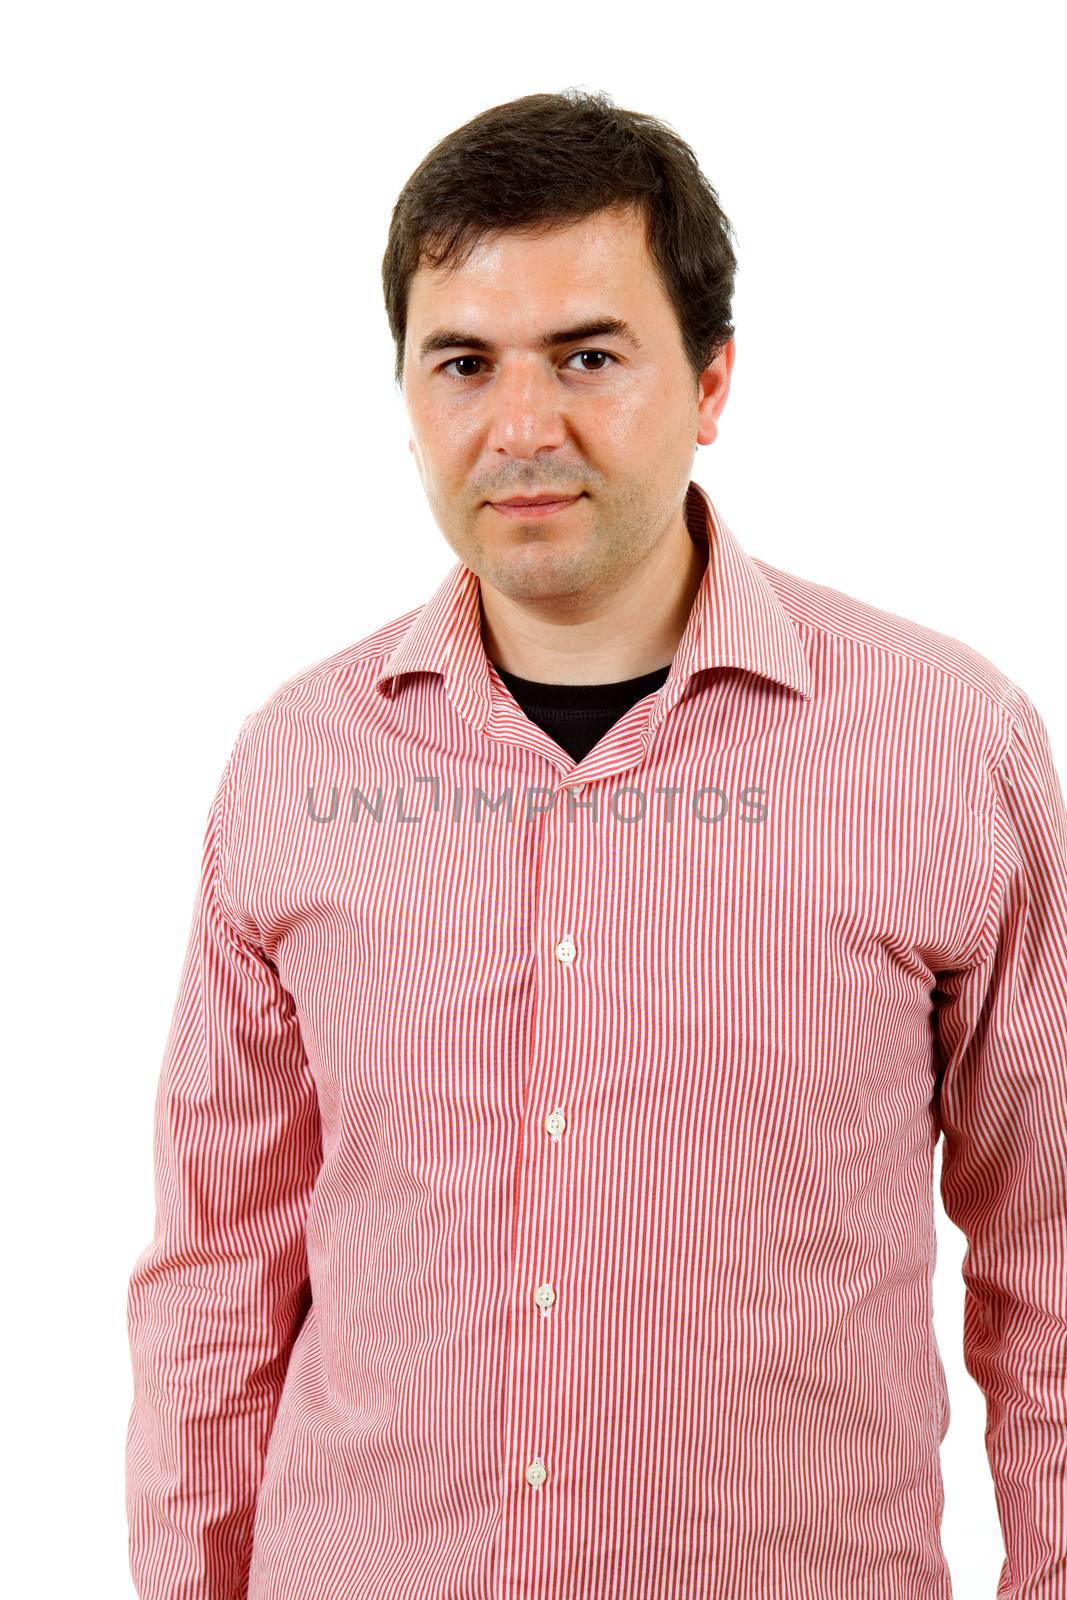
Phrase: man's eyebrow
pixel 594 328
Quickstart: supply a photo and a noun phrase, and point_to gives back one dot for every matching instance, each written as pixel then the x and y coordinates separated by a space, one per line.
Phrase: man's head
pixel 557 214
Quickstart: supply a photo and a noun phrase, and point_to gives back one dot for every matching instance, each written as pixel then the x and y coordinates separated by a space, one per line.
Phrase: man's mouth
pixel 540 505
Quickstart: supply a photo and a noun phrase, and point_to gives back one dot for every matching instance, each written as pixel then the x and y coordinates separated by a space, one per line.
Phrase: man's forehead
pixel 588 249
pixel 529 294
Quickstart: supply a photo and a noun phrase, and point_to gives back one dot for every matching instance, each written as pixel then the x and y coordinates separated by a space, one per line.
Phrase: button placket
pixel 563 952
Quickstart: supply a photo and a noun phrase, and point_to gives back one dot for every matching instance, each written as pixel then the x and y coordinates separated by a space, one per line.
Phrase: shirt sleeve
pixel 216 1300
pixel 1002 1092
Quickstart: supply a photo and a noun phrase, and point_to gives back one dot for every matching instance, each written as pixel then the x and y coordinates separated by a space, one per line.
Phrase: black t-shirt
pixel 577 715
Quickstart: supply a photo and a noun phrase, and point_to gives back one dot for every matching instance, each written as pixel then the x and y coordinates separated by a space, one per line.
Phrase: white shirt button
pixel 536 1473
pixel 555 1123
pixel 565 950
pixel 544 1296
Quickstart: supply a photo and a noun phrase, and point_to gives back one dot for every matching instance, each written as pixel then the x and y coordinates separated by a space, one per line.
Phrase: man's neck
pixel 635 632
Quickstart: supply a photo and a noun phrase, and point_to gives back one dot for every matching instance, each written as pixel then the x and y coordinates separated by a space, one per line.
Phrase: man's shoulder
pixel 853 637
pixel 326 694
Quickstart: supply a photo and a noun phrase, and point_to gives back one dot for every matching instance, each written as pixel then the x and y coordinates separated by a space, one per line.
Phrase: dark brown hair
pixel 546 160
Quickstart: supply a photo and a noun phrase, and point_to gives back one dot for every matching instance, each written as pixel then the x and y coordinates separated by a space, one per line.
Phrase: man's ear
pixel 713 389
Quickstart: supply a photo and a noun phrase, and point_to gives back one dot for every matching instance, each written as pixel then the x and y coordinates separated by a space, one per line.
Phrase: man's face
pixel 596 415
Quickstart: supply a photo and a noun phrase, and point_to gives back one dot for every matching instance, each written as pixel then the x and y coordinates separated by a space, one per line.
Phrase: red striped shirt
pixel 544 1151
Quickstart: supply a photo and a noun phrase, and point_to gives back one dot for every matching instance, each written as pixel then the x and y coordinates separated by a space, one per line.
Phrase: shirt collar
pixel 736 620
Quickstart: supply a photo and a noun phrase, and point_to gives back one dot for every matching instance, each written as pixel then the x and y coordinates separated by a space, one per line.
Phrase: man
pixel 584 967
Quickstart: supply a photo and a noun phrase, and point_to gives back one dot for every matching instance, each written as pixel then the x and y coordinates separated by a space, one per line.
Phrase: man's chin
pixel 538 572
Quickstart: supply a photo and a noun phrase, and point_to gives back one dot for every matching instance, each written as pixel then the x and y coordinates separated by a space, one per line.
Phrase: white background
pixel 207 486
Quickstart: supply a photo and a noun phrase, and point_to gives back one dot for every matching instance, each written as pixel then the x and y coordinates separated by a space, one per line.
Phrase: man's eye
pixel 455 360
pixel 606 354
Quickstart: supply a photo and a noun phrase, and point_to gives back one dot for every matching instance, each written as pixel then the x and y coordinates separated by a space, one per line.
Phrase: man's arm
pixel 215 1301
pixel 1002 1092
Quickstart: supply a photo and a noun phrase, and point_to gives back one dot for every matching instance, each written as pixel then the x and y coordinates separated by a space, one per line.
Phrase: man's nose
pixel 527 407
